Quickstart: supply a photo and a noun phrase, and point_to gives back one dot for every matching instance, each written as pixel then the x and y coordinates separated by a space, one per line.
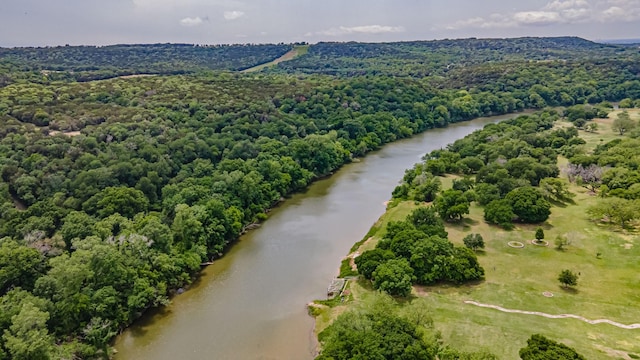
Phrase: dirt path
pixel 292 54
pixel 561 316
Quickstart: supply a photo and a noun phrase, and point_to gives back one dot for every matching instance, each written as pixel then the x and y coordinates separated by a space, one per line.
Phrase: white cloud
pixel 577 15
pixel 537 17
pixel 365 29
pixel 567 4
pixel 232 15
pixel 495 21
pixel 558 12
pixel 169 4
pixel 189 21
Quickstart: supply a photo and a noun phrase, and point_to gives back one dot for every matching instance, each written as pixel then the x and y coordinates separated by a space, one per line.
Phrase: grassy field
pixel 298 50
pixel 608 286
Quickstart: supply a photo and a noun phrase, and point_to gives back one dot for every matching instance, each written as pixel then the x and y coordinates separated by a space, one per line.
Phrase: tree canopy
pixel 541 348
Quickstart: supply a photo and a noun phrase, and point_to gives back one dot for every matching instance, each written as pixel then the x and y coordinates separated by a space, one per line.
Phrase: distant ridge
pixel 620 41
pixel 417 58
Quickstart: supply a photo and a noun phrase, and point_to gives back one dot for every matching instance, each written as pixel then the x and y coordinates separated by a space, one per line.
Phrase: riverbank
pixel 524 280
pixel 268 275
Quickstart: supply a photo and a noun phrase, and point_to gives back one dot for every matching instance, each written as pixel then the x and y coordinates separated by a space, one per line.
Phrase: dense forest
pixel 514 168
pixel 84 63
pixel 114 192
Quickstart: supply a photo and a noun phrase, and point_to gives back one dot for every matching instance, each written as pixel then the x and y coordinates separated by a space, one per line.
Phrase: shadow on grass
pixel 569 290
pixel 562 203
pixel 464 224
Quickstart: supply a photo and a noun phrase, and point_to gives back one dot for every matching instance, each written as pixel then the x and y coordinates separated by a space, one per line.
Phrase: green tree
pixel 625 103
pixel 499 212
pixel 427 189
pixel 20 266
pixel 369 260
pixel 591 127
pixel 528 204
pixel 426 219
pixel 539 234
pixel 28 337
pixel 487 193
pixel 616 210
pixel 473 241
pixel 117 200
pixel 76 225
pixel 561 242
pixel 464 184
pixel 98 333
pixel 623 123
pixel 541 348
pixel 394 277
pixel 451 204
pixel 568 278
pixel 555 189
pixel 375 333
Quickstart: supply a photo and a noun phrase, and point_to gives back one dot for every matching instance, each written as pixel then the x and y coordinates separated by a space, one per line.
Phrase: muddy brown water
pixel 251 304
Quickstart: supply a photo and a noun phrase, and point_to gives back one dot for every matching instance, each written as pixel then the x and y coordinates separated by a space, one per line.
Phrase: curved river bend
pixel 251 304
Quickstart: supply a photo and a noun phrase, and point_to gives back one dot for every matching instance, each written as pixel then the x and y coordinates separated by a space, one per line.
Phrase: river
pixel 251 303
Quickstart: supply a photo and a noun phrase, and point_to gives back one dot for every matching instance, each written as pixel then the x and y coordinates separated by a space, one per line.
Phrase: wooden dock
pixel 335 288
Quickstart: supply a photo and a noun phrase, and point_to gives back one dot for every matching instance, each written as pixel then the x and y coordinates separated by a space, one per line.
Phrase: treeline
pixel 84 63
pixel 612 171
pixel 510 168
pixel 439 57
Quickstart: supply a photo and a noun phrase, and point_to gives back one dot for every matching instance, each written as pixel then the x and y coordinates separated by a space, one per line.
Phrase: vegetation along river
pixel 250 304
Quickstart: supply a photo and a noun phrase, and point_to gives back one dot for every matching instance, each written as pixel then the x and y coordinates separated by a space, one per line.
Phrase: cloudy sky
pixel 101 22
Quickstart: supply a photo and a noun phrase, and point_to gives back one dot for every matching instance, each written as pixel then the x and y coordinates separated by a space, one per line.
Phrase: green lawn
pixel 608 286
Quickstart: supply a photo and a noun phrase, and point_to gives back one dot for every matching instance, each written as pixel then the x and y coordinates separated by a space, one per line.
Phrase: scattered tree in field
pixel 539 234
pixel 474 241
pixel 623 123
pixel 540 348
pixel 625 103
pixel 568 278
pixel 555 189
pixel 615 210
pixel 589 177
pixel 591 127
pixel 561 242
